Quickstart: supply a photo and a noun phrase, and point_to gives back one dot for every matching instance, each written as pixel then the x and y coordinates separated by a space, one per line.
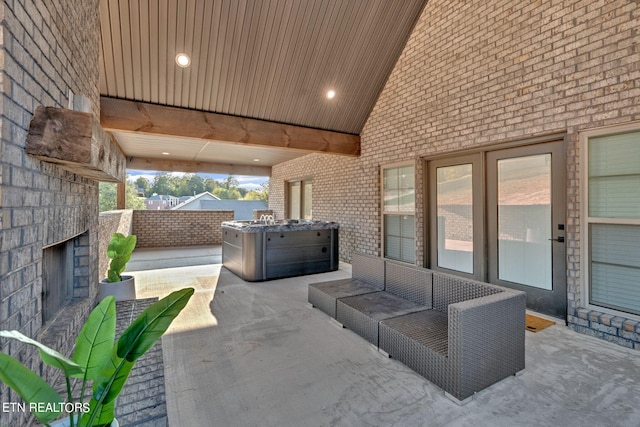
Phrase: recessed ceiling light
pixel 183 60
pixel 331 94
pixel 256 160
pixel 164 153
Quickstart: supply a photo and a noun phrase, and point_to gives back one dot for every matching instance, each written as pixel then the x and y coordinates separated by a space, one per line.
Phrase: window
pixel 611 212
pixel 398 209
pixel 300 197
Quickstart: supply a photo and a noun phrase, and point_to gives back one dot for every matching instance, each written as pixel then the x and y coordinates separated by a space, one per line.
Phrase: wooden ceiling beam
pixel 191 166
pixel 124 115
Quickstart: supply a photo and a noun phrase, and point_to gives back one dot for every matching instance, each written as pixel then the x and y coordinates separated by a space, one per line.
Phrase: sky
pixel 245 181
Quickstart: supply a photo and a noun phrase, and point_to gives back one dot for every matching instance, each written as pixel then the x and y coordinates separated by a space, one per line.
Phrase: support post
pixel 121 199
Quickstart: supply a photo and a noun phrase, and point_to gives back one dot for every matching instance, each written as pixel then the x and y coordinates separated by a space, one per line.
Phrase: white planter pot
pixel 123 291
pixel 64 422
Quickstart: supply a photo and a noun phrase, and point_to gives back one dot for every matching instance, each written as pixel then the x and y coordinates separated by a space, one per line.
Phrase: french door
pixel 499 216
pixel 526 222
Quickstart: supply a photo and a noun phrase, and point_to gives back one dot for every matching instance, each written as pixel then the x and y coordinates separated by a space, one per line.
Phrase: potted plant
pixel 96 358
pixel 122 287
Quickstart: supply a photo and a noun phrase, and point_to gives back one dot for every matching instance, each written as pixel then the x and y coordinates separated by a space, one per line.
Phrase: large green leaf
pixel 145 330
pixel 143 333
pixel 119 250
pixel 109 384
pixel 113 276
pixel 29 386
pixel 98 414
pixel 48 355
pixel 95 342
pixel 121 244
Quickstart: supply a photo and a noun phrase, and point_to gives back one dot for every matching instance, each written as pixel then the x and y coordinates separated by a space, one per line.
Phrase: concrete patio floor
pixel 254 354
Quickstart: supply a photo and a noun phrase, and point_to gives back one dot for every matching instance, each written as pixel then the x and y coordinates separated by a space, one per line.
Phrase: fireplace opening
pixel 57 278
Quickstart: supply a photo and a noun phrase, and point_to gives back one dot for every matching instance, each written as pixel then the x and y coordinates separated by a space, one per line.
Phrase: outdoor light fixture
pixel 331 94
pixel 183 60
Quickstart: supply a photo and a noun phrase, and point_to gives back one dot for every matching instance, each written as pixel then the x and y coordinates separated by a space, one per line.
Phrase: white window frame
pixel 383 213
pixel 586 220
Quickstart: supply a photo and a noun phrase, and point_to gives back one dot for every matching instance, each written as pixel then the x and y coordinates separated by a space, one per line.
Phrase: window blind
pixel 614 176
pixel 614 193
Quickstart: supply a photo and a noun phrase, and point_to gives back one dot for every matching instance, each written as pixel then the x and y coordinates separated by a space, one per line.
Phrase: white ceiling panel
pixel 144 145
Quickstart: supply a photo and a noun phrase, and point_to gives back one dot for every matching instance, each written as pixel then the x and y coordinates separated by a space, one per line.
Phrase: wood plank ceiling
pixel 271 60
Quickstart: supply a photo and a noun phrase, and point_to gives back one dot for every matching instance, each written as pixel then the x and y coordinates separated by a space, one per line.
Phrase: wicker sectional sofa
pixel 460 334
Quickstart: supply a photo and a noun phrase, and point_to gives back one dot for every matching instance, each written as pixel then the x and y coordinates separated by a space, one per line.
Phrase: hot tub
pixel 265 250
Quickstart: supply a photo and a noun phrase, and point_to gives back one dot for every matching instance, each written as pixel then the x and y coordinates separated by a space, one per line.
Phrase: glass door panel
pixel 526 223
pixel 456 217
pixel 454 198
pixel 524 220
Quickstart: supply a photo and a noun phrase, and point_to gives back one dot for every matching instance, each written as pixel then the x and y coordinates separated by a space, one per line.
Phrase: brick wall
pixel 178 228
pixel 475 73
pixel 46 49
pixel 337 196
pixel 161 228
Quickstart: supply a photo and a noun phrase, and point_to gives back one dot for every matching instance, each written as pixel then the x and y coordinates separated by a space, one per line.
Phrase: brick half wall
pixel 169 228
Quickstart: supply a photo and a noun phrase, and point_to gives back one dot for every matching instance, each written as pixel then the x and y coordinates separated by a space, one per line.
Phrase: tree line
pixel 171 185
pixel 192 184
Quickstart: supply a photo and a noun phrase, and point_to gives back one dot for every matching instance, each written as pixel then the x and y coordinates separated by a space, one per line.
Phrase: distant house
pixel 243 209
pixel 194 202
pixel 160 201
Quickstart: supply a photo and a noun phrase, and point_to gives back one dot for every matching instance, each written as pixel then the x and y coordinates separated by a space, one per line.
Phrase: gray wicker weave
pixel 420 341
pixel 409 282
pixel 363 313
pixel 369 269
pixel 448 289
pixel 483 326
pixel 367 276
pixel 325 294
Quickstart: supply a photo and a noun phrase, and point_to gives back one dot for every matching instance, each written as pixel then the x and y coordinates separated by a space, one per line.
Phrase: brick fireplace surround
pixel 48 49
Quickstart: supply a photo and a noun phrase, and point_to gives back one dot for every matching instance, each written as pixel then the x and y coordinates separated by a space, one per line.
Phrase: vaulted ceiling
pixel 261 67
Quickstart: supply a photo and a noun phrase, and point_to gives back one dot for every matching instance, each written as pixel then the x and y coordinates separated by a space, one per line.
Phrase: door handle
pixel 559 239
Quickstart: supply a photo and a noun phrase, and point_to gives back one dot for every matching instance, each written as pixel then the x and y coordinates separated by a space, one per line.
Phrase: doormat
pixel 536 324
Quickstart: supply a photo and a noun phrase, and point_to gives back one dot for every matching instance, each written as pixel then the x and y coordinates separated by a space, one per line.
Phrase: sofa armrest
pixel 486 340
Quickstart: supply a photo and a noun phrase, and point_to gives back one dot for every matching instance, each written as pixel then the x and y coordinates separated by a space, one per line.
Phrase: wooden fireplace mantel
pixel 76 142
